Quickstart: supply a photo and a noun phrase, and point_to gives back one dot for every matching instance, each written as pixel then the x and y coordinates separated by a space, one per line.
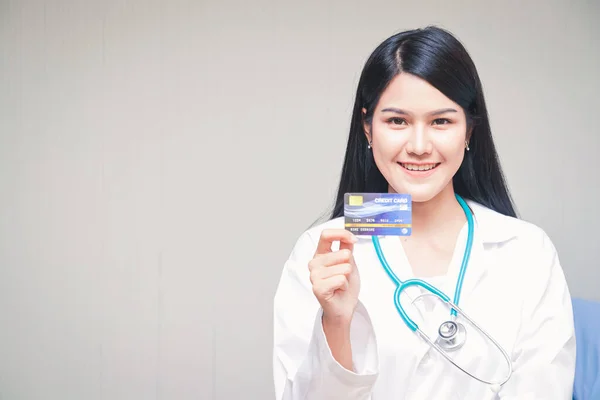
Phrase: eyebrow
pixel 433 113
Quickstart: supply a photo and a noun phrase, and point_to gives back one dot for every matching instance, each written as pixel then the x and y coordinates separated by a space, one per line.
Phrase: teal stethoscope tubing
pixel 400 285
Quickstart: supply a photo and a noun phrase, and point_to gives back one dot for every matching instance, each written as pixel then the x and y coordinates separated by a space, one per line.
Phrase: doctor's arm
pixel 304 366
pixel 544 356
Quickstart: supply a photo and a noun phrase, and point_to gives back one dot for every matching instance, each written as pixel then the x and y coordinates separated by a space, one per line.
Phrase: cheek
pixel 454 154
pixel 379 130
pixel 456 147
pixel 388 140
pixel 386 150
pixel 451 146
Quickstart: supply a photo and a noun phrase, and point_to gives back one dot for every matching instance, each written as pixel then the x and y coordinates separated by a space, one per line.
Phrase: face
pixel 418 138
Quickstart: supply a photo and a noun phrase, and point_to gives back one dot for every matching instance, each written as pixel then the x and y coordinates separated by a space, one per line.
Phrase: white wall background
pixel 158 159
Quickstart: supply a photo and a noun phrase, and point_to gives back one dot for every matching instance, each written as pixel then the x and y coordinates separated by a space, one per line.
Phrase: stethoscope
pixel 451 334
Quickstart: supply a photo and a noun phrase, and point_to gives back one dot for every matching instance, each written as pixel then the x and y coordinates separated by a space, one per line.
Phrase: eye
pixel 441 121
pixel 396 121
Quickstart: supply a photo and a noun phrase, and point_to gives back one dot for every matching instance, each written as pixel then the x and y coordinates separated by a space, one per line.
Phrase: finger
pixel 326 287
pixel 328 236
pixel 333 258
pixel 346 245
pixel 329 259
pixel 326 273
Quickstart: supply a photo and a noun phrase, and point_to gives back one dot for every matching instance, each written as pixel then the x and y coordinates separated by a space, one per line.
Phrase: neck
pixel 437 215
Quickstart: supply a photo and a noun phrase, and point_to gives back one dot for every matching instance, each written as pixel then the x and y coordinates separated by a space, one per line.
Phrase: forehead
pixel 414 94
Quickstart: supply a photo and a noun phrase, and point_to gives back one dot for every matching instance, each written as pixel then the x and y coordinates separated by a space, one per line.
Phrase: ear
pixel 366 127
pixel 469 133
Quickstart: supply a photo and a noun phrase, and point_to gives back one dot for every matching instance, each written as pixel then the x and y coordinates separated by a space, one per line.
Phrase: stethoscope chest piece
pixel 451 335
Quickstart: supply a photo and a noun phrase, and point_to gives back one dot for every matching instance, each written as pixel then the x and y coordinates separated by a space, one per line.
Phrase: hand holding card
pixel 336 284
pixel 334 275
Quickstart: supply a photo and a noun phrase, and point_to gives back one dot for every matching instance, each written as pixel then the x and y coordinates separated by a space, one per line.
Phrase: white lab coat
pixel 514 288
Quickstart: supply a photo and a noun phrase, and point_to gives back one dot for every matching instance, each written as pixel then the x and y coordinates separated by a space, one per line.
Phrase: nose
pixel 419 142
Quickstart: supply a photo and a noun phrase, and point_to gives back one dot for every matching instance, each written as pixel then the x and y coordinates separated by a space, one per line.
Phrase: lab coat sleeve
pixel 544 354
pixel 304 367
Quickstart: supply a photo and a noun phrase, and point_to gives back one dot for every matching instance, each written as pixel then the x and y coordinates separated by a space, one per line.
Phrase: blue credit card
pixel 376 214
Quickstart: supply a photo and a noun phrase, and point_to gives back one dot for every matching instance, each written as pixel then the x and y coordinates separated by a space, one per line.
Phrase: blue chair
pixel 587 333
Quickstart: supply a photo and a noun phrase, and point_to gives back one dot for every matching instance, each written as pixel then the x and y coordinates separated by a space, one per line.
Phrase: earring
pixel 369 145
pixel 467 145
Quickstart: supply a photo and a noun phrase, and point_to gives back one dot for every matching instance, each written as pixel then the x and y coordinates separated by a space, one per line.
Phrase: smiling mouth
pixel 418 167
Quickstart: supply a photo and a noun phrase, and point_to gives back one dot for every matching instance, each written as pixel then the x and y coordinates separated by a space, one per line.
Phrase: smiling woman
pixel 422 82
pixel 420 127
pixel 416 127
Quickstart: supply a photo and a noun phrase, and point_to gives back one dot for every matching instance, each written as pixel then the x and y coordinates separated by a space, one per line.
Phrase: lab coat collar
pixel 493 227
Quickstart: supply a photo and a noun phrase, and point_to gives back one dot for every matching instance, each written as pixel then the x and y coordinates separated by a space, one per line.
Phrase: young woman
pixel 420 127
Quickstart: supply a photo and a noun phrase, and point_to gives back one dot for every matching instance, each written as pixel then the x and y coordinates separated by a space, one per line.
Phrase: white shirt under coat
pixel 514 288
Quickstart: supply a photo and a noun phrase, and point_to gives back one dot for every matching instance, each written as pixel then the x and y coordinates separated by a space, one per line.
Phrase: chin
pixel 419 193
pixel 422 197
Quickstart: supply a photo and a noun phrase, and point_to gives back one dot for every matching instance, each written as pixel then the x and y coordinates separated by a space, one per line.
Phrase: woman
pixel 420 126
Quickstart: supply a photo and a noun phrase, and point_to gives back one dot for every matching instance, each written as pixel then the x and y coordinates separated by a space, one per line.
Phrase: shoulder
pixel 521 248
pixel 504 230
pixel 522 252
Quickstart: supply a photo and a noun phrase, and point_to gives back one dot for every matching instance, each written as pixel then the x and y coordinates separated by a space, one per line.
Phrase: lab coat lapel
pixel 475 272
pixel 490 229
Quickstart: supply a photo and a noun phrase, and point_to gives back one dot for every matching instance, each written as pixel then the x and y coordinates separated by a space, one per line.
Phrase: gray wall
pixel 158 159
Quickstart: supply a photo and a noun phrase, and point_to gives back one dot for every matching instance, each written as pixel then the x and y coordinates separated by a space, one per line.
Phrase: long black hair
pixel 435 55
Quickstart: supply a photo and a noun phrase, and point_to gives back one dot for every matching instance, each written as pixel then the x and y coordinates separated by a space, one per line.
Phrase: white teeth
pixel 414 167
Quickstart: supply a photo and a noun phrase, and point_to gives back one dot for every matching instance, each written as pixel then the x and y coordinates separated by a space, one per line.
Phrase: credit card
pixel 378 214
